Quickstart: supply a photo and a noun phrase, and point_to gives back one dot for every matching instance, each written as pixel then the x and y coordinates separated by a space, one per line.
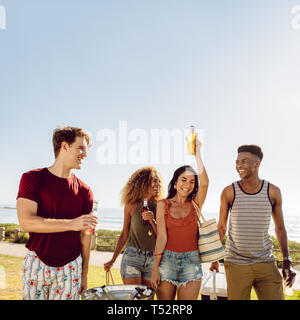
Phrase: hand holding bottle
pixel 93 213
pixel 144 212
pixel 289 276
pixel 148 215
pixel 198 145
pixel 191 141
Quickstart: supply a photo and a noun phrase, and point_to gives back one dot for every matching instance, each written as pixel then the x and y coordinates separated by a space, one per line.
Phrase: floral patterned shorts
pixel 42 282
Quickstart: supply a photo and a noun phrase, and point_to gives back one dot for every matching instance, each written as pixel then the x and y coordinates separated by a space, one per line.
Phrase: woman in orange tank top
pixel 177 267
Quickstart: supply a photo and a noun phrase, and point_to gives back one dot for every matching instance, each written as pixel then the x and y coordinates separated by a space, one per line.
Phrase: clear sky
pixel 231 68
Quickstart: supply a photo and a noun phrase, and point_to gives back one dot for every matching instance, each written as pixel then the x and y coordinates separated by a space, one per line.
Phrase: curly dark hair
pixel 138 185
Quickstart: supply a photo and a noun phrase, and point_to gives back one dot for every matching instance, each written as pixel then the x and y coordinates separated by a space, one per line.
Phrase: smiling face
pixel 185 183
pixel 154 188
pixel 247 165
pixel 74 153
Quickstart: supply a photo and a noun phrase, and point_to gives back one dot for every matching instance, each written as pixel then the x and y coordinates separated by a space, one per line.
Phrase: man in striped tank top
pixel 249 261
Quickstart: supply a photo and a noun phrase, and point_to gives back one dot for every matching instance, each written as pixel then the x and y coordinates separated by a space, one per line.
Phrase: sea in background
pixel 112 219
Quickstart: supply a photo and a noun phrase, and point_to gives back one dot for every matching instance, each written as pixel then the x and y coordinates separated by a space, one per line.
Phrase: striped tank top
pixel 248 238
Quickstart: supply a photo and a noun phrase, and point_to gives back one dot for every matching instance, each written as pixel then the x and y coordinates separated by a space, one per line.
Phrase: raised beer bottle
pixel 191 141
pixel 144 209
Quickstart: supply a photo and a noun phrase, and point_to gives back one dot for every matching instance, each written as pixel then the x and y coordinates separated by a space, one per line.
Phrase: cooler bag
pixel 214 286
pixel 118 292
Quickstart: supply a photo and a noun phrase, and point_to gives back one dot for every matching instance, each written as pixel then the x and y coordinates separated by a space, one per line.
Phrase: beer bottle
pixel 191 141
pixel 94 212
pixel 144 209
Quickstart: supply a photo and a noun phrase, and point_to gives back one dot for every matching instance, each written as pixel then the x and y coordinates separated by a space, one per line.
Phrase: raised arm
pixel 202 175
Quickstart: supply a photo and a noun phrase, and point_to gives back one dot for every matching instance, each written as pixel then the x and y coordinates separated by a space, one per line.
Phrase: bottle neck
pixel 145 203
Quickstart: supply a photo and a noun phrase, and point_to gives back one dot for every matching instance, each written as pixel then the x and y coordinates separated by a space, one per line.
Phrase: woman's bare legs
pixel 190 291
pixel 166 291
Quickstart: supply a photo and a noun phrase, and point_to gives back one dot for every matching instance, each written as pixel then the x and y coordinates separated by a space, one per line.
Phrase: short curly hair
pixel 138 185
pixel 252 148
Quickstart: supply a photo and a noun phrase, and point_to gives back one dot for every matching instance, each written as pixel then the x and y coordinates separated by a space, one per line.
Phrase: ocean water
pixel 112 219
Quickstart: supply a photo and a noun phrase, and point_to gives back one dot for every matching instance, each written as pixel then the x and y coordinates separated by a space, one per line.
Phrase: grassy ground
pixel 96 277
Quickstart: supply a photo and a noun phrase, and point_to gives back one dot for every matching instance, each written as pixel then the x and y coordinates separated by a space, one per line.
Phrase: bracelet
pixel 158 254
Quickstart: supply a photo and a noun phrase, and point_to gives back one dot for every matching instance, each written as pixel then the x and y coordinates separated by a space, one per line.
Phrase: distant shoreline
pixel 9 208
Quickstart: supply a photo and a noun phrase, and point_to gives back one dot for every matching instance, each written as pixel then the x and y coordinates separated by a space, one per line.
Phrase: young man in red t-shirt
pixel 54 206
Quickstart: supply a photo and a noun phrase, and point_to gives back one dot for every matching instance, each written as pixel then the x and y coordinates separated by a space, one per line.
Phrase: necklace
pixel 254 189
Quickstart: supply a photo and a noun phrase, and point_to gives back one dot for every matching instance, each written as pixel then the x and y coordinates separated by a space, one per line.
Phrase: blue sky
pixel 231 68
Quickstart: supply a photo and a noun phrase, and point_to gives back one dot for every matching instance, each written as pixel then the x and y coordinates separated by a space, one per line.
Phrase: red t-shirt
pixel 57 198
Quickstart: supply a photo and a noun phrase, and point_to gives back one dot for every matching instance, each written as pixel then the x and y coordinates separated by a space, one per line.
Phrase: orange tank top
pixel 182 233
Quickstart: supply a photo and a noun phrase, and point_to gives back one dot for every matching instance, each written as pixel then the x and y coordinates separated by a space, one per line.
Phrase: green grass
pixel 96 278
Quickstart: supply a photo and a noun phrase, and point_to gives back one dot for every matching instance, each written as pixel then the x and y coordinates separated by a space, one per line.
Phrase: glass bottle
pixel 287 290
pixel 191 141
pixel 144 209
pixel 94 212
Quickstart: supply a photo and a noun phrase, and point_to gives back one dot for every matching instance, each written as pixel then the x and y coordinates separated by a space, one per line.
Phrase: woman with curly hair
pixel 177 267
pixel 137 261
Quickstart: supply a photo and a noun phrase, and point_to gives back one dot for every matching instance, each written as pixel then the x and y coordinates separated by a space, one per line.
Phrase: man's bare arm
pixel 85 253
pixel 226 202
pixel 281 235
pixel 31 222
pixel 277 215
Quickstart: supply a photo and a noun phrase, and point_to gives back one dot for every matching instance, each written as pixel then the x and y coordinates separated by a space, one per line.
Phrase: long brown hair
pixel 138 185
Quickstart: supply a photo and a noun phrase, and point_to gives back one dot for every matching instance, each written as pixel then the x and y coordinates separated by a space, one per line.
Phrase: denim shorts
pixel 136 263
pixel 179 268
